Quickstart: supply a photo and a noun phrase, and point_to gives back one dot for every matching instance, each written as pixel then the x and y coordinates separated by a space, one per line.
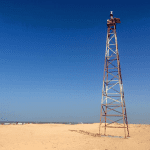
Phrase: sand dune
pixel 72 137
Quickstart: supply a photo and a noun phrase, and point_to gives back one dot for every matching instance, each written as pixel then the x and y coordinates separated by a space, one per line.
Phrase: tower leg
pixel 100 120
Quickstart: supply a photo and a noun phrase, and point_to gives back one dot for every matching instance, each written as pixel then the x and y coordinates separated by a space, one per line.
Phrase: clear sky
pixel 52 58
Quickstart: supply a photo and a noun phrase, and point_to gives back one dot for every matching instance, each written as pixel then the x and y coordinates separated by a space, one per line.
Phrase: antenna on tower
pixel 111 14
pixel 113 101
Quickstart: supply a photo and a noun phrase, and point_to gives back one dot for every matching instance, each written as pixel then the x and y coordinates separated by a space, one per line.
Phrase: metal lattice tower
pixel 113 108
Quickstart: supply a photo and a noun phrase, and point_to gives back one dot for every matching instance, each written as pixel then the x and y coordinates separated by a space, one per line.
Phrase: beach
pixel 72 137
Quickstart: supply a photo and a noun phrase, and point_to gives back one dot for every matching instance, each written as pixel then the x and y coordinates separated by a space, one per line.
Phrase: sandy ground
pixel 72 137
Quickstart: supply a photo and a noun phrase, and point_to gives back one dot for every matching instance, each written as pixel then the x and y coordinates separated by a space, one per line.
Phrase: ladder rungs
pixel 113 115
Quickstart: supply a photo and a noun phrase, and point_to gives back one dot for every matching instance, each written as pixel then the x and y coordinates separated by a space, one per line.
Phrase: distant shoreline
pixel 33 122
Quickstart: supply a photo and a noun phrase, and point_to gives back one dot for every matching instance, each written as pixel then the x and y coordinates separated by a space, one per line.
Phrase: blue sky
pixel 52 59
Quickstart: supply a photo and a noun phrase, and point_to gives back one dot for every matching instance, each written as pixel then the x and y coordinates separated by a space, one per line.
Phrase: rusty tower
pixel 113 108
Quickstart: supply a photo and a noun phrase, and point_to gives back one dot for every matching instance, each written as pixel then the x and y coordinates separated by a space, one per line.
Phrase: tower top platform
pixel 112 21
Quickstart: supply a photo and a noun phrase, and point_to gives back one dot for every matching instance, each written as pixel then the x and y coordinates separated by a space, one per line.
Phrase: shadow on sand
pixel 95 134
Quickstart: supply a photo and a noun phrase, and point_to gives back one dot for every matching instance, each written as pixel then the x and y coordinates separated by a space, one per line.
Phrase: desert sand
pixel 72 137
